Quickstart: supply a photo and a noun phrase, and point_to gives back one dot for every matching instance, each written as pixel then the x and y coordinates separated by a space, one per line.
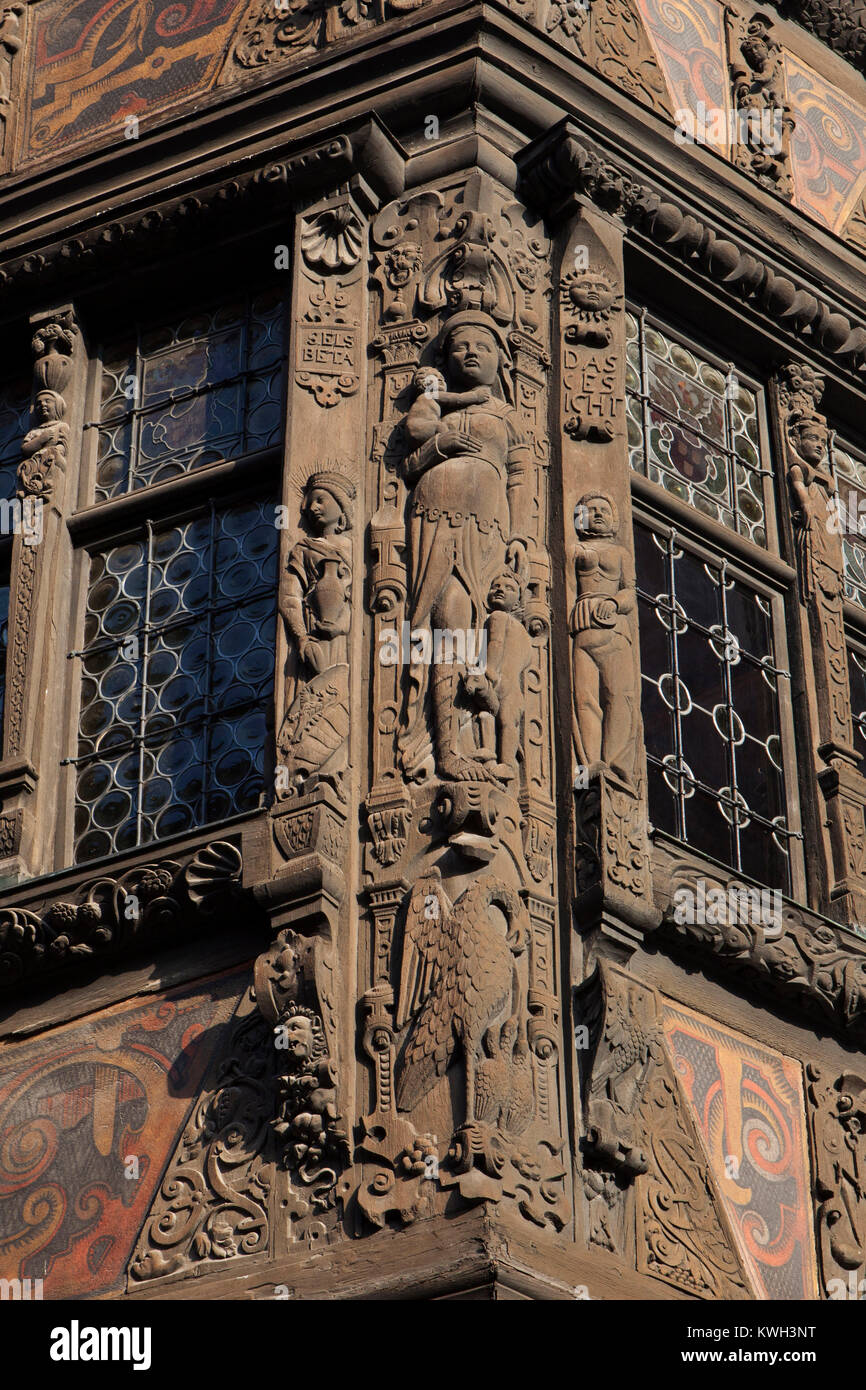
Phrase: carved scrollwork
pixel 109 914
pixel 838 1123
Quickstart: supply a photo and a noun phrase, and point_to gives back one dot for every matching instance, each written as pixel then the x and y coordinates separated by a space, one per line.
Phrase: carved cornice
pixel 565 163
pixel 108 915
pixel 803 959
pixel 200 213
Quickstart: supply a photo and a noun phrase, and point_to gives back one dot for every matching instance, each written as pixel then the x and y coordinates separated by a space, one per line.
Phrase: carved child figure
pixel 603 656
pixel 497 689
pixel 435 400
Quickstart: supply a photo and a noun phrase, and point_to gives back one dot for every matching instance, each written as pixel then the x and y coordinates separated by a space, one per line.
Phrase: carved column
pixel 462 1025
pixel 305 982
pixel 612 870
pixel 36 670
pixel 838 1124
pixel 815 528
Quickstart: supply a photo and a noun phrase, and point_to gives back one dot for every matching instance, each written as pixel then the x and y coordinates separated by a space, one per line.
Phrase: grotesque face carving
pixel 299 1037
pixel 472 355
pixel 400 264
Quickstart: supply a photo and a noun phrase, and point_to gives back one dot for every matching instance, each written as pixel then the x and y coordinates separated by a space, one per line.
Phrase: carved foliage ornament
pixel 108 914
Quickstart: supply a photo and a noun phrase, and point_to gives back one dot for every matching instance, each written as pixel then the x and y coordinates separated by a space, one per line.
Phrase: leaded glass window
pixel 14 424
pixel 693 428
pixel 176 677
pixel 857 682
pixel 850 470
pixel 176 399
pixel 711 687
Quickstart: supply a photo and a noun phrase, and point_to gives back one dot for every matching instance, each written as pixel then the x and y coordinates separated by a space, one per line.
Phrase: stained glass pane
pixel 177 673
pixel 710 703
pixel 207 390
pixel 14 424
pixel 693 428
pixel 857 681
pixel 850 470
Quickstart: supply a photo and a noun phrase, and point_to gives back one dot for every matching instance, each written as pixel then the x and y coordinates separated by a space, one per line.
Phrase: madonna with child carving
pixel 467 520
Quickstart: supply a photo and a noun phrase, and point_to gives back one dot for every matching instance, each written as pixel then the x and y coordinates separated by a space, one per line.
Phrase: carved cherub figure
pixel 498 688
pixel 603 653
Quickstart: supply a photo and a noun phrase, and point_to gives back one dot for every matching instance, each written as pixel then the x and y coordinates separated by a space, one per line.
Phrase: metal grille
pixel 175 400
pixel 177 673
pixel 693 428
pixel 14 423
pixel 710 702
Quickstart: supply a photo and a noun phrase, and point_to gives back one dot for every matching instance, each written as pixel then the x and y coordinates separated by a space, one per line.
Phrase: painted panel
pixel 689 40
pixel 828 146
pixel 90 63
pixel 74 1107
pixel 749 1107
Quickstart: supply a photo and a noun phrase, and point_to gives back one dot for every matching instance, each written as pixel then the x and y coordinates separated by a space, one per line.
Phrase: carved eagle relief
pixel 459 975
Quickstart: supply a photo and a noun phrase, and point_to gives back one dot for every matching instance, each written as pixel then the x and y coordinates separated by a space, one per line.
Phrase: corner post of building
pixel 815 526
pixel 40 581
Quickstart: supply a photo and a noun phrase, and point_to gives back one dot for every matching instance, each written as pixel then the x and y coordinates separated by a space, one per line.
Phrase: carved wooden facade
pixel 395 494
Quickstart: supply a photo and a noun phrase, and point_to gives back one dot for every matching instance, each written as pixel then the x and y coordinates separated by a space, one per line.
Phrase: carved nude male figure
pixel 603 657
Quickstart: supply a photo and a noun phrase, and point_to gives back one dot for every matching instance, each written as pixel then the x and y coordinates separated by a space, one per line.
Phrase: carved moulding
pixel 207 212
pixel 566 162
pixel 109 915
pixel 804 959
pixel 837 1114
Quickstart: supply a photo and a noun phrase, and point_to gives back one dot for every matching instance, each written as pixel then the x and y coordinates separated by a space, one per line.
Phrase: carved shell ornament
pixel 332 240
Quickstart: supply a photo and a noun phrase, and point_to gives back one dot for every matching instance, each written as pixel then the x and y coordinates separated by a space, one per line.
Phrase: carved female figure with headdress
pixel 468 512
pixel 315 601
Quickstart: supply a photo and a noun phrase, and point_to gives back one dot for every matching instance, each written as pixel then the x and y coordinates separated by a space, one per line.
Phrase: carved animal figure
pixel 458 976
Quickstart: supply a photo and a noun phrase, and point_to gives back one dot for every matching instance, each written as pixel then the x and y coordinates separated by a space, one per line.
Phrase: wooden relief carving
pixel 44 450
pixel 682 1235
pixel 274 30
pixel 316 604
pixel 620 1045
pixel 462 1029
pixel 610 826
pixel 110 912
pixel 815 519
pixel 610 35
pixel 838 1123
pixel 763 123
pixel 11 38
